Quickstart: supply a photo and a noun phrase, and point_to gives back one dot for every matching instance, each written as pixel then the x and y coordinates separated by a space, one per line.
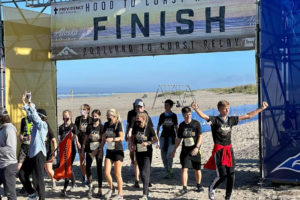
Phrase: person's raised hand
pixel 265 105
pixel 194 105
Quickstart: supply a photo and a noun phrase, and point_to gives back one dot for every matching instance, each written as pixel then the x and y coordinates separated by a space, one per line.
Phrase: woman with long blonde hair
pixel 113 136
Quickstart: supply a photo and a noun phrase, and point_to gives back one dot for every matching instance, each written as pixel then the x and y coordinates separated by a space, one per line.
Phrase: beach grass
pixel 245 89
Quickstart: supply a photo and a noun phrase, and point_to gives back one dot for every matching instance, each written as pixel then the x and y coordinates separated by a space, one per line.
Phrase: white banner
pixel 116 28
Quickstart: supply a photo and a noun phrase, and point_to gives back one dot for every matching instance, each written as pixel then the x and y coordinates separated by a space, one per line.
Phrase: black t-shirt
pixel 94 137
pixel 132 117
pixel 82 125
pixel 24 129
pixel 49 137
pixel 168 124
pixel 141 135
pixel 221 130
pixel 112 131
pixel 189 133
pixel 64 130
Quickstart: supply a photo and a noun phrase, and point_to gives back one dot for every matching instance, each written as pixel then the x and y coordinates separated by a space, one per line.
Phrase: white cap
pixel 139 102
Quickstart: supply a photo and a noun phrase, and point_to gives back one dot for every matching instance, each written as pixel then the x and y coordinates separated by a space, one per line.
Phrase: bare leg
pixel 107 170
pixel 118 174
pixel 184 176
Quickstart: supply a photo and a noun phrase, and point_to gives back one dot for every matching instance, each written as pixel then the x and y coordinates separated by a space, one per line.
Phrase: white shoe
pixel 211 193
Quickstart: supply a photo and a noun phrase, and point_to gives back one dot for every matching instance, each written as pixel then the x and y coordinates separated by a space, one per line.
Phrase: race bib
pixel 111 145
pixel 188 142
pixel 26 140
pixel 94 145
pixel 141 148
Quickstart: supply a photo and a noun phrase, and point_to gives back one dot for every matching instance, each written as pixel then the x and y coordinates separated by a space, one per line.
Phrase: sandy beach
pixel 245 143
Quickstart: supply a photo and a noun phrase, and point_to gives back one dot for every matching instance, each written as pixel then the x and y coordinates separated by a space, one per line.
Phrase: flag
pixel 65 150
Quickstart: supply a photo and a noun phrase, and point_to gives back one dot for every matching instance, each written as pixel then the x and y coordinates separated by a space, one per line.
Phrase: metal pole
pixel 258 72
pixel 1 59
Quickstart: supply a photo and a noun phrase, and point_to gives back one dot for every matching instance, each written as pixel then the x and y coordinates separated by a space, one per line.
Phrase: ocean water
pixel 234 111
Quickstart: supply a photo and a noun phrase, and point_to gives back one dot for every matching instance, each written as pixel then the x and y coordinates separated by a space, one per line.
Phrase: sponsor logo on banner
pixel 114 28
pixel 66 52
pixel 291 164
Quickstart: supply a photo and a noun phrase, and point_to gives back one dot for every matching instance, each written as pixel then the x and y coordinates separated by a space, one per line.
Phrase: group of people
pixel 89 136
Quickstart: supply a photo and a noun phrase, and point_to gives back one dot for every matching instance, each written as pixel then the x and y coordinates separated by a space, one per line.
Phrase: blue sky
pixel 142 74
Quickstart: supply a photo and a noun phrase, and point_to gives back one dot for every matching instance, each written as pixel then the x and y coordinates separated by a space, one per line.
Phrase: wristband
pixel 198 147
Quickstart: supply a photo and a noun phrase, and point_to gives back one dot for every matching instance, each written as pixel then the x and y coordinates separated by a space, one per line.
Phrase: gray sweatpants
pixel 8 179
pixel 166 155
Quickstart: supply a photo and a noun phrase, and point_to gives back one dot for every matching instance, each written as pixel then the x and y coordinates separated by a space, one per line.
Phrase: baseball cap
pixel 139 102
pixel 3 111
pixel 42 112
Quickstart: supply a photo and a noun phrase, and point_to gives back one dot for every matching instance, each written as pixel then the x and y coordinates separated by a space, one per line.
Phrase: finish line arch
pixel 276 77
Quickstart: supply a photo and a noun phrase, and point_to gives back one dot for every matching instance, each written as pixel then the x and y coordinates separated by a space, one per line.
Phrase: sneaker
pixel 63 193
pixel 22 191
pixel 53 185
pixel 108 194
pixel 227 198
pixel 90 193
pixel 32 197
pixel 143 198
pixel 118 197
pixel 83 181
pixel 200 188
pixel 99 195
pixel 181 192
pixel 149 195
pixel 73 188
pixel 211 193
pixel 136 184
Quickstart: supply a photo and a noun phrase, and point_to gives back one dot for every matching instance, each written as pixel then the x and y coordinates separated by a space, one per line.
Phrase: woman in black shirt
pixel 143 137
pixel 92 142
pixel 63 131
pixel 113 136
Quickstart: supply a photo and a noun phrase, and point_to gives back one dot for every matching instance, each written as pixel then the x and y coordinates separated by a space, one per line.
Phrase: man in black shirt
pixel 168 121
pixel 190 157
pixel 222 159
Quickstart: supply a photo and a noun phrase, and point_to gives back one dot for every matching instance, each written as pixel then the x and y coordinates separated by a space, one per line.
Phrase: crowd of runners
pixel 89 136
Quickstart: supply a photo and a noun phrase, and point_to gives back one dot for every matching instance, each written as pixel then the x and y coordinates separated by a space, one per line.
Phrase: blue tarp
pixel 280 70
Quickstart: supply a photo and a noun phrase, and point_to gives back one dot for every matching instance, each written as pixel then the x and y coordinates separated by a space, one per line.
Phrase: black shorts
pixel 186 162
pixel 116 155
pixel 49 155
pixel 24 149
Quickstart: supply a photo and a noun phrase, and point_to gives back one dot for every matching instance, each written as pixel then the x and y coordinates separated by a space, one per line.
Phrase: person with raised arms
pixel 222 158
pixel 113 136
pixel 143 136
pixel 190 157
pixel 35 161
pixel 90 144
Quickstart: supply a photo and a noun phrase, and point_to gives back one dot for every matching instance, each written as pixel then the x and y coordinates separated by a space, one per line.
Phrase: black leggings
pixel 89 161
pixel 73 177
pixel 34 166
pixel 144 164
pixel 223 173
